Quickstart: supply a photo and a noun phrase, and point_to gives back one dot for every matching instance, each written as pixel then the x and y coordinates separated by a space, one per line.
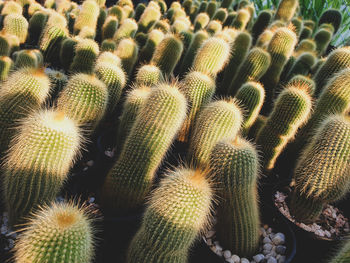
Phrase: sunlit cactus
pixel 6 64
pixel 87 16
pixel 127 29
pixel 86 52
pixel 127 51
pixel 17 25
pixel 148 75
pixel 286 10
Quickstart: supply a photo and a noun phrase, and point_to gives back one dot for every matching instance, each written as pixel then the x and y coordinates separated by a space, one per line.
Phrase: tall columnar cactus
pixel 154 38
pixel 322 39
pixel 343 254
pixel 109 27
pixel 35 26
pixel 127 185
pixel 220 15
pixel 86 52
pixel 148 18
pixel 87 16
pixel 250 97
pixel 115 79
pixel 264 39
pixel 140 8
pixel 171 226
pixel 198 89
pixel 67 51
pixel 252 69
pixel 291 110
pixel 286 10
pixel 337 60
pixel 108 45
pixel 11 7
pixel 84 99
pixel 38 161
pixel 303 81
pixel 62 232
pixel 280 48
pixel 148 75
pixel 167 54
pixel 239 50
pixel 6 64
pixel 306 45
pixel 235 165
pixel 213 27
pixel 28 58
pixel 302 65
pixel 24 91
pixel 127 29
pixel 212 56
pixel 16 24
pixel 331 16
pixel 211 8
pixel 127 51
pixel 261 23
pixel 242 19
pixel 201 21
pixel 322 172
pixel 217 121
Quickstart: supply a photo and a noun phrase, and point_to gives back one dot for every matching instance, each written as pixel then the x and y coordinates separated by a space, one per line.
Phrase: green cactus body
pixel 241 20
pixel 118 12
pixel 214 27
pixel 38 162
pixel 220 15
pixel 322 39
pixel 212 56
pixel 5 46
pixel 28 58
pixel 127 51
pixel 67 52
pixel 109 27
pixel 115 80
pixel 211 8
pixel 11 7
pixel 261 23
pixel 109 57
pixel 198 38
pixel 331 16
pixel 167 54
pixel 203 7
pixel 178 13
pixel 108 45
pixel 336 61
pixel 148 75
pixel 305 33
pixel 198 89
pixel 306 45
pixel 154 38
pixel 286 10
pixel 217 121
pixel 264 39
pixel 62 232
pixel 87 32
pixel 291 110
pixel 162 25
pixel 140 8
pixel 280 48
pixel 127 29
pixel 303 81
pixel 302 65
pixel 141 39
pixel 252 69
pixel 17 25
pixel 343 254
pixel 322 172
pixel 256 127
pixel 187 4
pixel 101 19
pixel 230 18
pixel 226 3
pixel 58 81
pixel 235 165
pixel 24 91
pixel 35 26
pixel 310 23
pixel 239 50
pixel 250 97
pixel 6 64
pixel 86 52
pixel 84 99
pixel 298 25
pixel 127 185
pixel 87 16
pixel 148 18
pixel 169 228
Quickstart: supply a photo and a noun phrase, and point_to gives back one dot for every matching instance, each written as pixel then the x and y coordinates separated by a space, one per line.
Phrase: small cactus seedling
pixel 61 232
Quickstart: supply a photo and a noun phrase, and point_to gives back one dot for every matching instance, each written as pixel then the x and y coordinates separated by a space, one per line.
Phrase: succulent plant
pixel 304 82
pixel 148 75
pixel 38 161
pixel 242 19
pixel 235 166
pixel 201 21
pixel 6 64
pixel 261 23
pixel 322 39
pixel 67 52
pixel 286 10
pixel 302 65
pixel 306 45
pixel 16 24
pixel 36 25
pixel 230 18
pixel 170 227
pixel 213 27
pixel 343 254
pixel 211 8
pixel 220 15
pixel 321 174
pixel 87 16
pixel 331 16
pixel 108 45
pixel 109 27
pixel 140 8
pixel 86 52
pixel 127 29
pixel 153 40
pixel 28 58
pixel 149 16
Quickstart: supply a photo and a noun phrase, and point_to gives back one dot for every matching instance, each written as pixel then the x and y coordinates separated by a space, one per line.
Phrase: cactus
pixel 86 52
pixel 331 16
pixel 148 18
pixel 167 54
pixel 291 110
pixel 6 64
pixel 264 39
pixel 87 16
pixel 187 4
pixel 11 7
pixel 256 127
pixel 28 58
pixel 211 8
pixel 303 81
pixel 109 27
pixel 239 50
pixel 242 19
pixel 162 25
pixel 108 45
pixel 84 99
pixel 169 228
pixel 302 65
pixel 118 12
pixel 220 15
pixel 343 254
pixel 337 60
pixel 212 56
pixel 62 232
pixel 5 46
pixel 201 21
pixel 109 57
pixel 322 39
pixel 17 25
pixel 321 174
pixel 202 7
pixel 35 26
pixel 127 29
pixel 305 33
pixel 67 52
pixel 38 161
pixel 217 121
pixel 148 75
pixel 140 8
pixel 127 51
pixel 198 89
pixel 261 23
pixel 58 81
pixel 250 97
pixel 141 39
pixel 297 22
pixel 24 91
pixel 127 185
pixel 306 45
pixel 226 3
pixel 230 18
pixel 235 165
pixel 154 38
pixel 286 10
pixel 253 68
pixel 213 27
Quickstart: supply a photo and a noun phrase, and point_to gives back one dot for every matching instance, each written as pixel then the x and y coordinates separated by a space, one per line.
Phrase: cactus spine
pixel 127 185
pixel 38 161
pixel 235 165
pixel 169 228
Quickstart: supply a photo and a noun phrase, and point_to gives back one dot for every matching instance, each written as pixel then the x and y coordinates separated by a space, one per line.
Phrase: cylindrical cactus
pixel 11 7
pixel 213 27
pixel 261 23
pixel 291 110
pixel 127 185
pixel 109 27
pixel 154 38
pixel 109 57
pixel 230 18
pixel 286 10
pixel 140 8
pixel 226 3
pixel 331 16
pixel 322 39
pixel 127 29
pixel 61 232
pixel 306 33
pixel 211 8
pixel 16 24
pixel 217 121
pixel 6 64
pixel 235 165
pixel 302 65
pixel 67 52
pixel 201 21
pixel 171 226
pixel 306 45
pixel 38 161
pixel 242 19
pixel 343 255
pixel 264 38
pixel 322 172
pixel 58 81
pixel 220 15
pixel 87 16
pixel 108 45
pixel 303 81
pixel 86 52
pixel 28 58
pixel 35 26
pixel 127 51
pixel 148 75
pixel 149 16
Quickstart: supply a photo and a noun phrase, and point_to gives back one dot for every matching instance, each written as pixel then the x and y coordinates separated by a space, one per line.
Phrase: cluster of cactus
pixel 155 73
